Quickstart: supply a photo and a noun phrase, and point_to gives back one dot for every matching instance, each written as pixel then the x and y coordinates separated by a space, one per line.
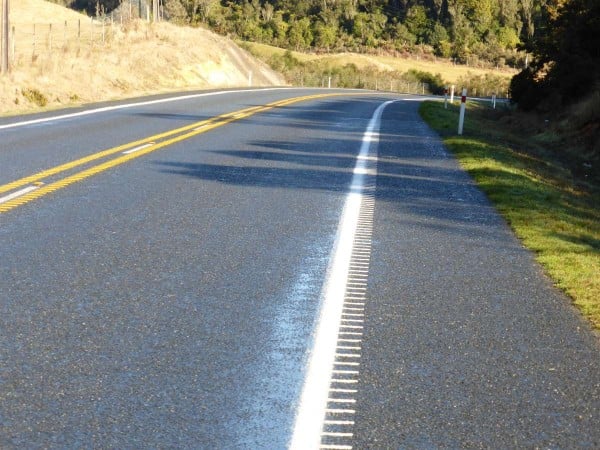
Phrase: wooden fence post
pixel 4 19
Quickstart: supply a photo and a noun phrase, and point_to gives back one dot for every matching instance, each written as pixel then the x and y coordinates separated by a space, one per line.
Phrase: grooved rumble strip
pixel 327 405
pixel 337 432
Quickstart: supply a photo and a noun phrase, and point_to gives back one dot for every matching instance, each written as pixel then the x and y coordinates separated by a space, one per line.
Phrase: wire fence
pixel 46 38
pixel 31 40
pixel 381 81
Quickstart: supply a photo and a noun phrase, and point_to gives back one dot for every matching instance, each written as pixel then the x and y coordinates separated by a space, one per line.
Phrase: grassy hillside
pixel 382 72
pixel 23 11
pixel 449 72
pixel 75 61
pixel 63 58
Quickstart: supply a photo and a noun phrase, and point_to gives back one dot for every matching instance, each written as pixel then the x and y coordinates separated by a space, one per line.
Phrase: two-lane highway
pixel 170 300
pixel 271 268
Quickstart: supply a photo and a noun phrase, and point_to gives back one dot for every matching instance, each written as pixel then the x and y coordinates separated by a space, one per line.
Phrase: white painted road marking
pixel 18 193
pixel 137 149
pixel 88 112
pixel 313 405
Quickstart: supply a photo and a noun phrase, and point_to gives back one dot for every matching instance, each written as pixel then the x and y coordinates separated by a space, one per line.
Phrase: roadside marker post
pixel 452 94
pixel 4 63
pixel 461 117
pixel 446 98
pixel 494 101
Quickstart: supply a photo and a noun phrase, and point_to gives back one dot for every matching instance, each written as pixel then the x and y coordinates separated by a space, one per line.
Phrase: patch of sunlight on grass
pixel 531 189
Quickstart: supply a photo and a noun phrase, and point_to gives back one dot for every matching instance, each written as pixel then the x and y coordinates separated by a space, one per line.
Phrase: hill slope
pixel 78 61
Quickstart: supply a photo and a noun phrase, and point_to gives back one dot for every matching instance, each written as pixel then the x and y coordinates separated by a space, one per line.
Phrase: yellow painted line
pixel 87 159
pixel 197 128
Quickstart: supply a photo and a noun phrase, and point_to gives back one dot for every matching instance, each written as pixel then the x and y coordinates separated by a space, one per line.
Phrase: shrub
pixel 35 96
pixel 435 82
pixel 525 90
pixel 484 86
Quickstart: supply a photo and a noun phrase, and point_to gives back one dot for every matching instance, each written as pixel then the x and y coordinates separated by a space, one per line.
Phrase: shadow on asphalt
pixel 414 173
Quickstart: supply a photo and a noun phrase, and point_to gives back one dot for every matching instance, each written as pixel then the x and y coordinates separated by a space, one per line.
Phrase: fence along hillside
pixel 31 39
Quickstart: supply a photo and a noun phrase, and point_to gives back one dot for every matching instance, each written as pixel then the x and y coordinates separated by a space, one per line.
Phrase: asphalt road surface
pixel 166 268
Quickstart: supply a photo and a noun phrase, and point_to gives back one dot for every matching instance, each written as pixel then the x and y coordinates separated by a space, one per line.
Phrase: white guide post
pixel 461 117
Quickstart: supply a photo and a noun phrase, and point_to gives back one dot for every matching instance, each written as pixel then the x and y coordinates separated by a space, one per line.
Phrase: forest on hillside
pixel 555 43
pixel 477 32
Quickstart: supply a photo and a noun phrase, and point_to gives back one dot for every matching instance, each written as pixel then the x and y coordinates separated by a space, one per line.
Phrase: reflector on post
pixel 461 117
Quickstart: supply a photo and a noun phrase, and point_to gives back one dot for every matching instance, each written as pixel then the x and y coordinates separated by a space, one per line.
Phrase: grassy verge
pixel 551 207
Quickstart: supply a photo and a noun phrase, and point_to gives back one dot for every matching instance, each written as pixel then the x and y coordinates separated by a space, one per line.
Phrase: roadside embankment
pixel 76 61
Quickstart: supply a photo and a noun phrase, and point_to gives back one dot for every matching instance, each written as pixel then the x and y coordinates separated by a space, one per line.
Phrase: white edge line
pixel 313 400
pixel 128 105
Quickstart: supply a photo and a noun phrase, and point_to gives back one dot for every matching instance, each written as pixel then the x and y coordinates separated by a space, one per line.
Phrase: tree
pixel 300 34
pixel 417 22
pixel 508 15
pixel 459 28
pixel 204 8
pixel 566 62
pixel 91 6
pixel 436 34
pixel 527 12
pixel 325 35
pixel 360 26
pixel 403 37
pixel 174 11
pixel 463 39
pixel 280 28
pixel 574 48
pixel 507 37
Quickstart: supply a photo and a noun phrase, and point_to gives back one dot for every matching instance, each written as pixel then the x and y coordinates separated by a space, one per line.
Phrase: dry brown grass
pixel 36 11
pixel 448 71
pixel 134 59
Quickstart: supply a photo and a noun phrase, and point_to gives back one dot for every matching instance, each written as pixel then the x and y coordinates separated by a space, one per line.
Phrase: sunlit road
pixel 167 268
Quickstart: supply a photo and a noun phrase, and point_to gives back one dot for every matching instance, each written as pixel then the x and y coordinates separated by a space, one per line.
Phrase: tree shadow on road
pixel 416 176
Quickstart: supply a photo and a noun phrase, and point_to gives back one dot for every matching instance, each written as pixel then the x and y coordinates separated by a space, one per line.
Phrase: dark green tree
pixel 566 63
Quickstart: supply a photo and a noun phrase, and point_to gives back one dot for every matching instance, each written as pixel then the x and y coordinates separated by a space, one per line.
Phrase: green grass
pixel 551 208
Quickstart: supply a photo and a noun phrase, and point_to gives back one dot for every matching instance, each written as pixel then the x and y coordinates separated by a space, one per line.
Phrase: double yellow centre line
pixel 36 186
